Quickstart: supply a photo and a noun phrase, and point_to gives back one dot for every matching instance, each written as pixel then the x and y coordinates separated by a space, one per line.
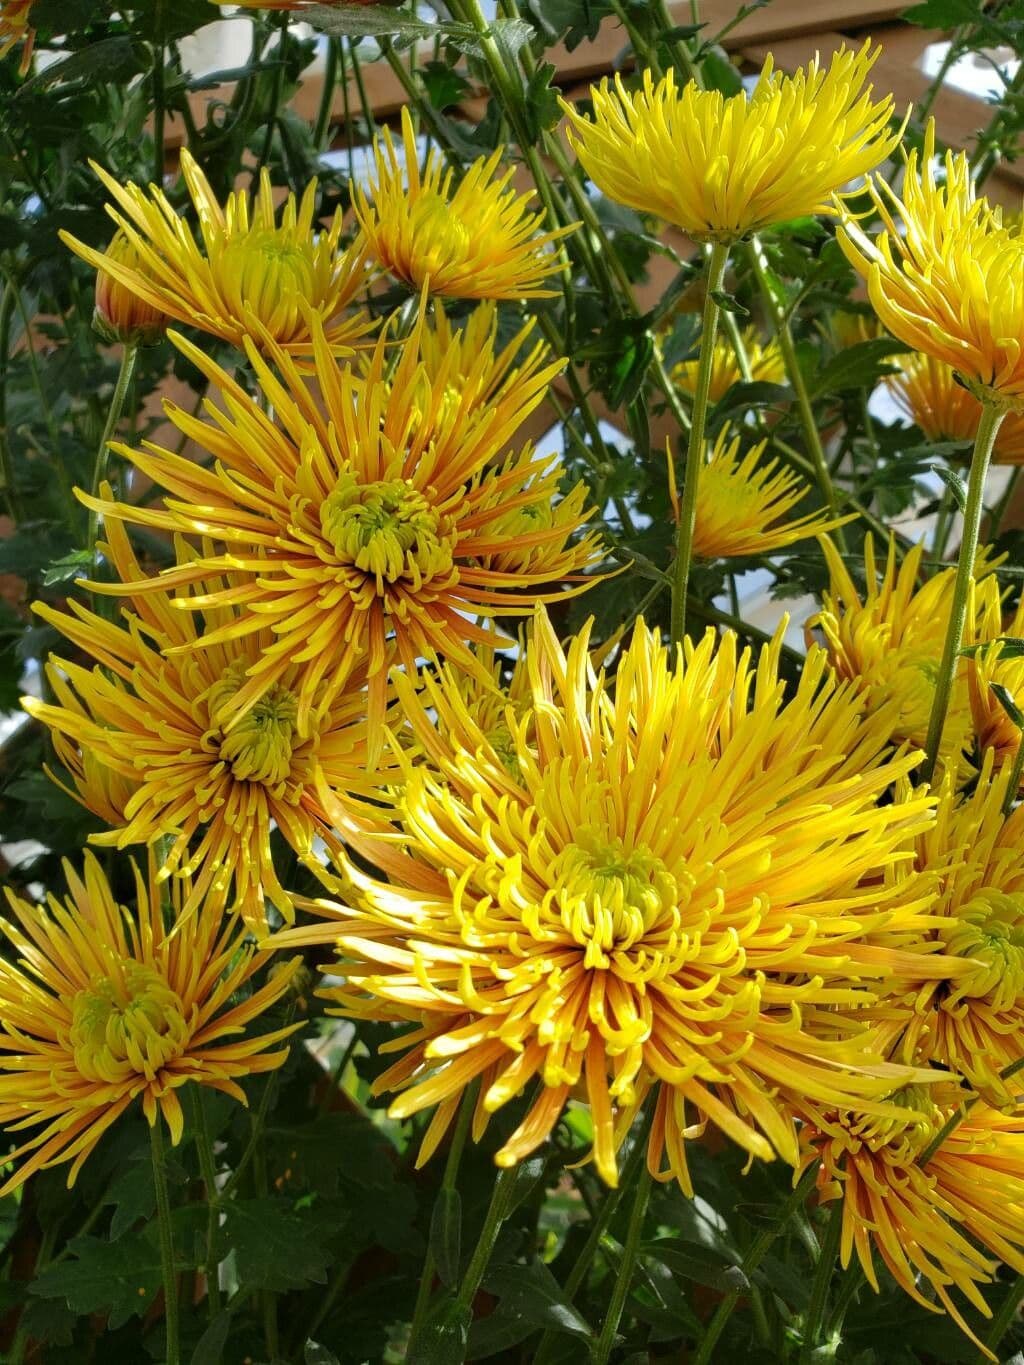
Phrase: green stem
pixel 759 1249
pixel 367 107
pixel 449 1182
pixel 10 492
pixel 852 1281
pixel 998 515
pixel 823 1272
pixel 1013 785
pixel 943 522
pixel 322 129
pixel 276 89
pixel 497 1212
pixel 1002 1321
pixel 208 1170
pixel 426 110
pixel 159 96
pixel 255 1138
pixel 695 446
pixel 796 379
pixel 627 1264
pixel 129 356
pixel 988 428
pixel 163 1209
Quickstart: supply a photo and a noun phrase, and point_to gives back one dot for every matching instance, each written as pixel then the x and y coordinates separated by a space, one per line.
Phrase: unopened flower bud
pixel 121 313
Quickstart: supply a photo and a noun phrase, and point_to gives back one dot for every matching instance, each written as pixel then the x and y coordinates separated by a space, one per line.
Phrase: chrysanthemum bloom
pixel 942 1223
pixel 661 889
pixel 946 275
pixel 382 514
pixel 927 391
pixel 159 724
pixel 249 273
pixel 102 1006
pixel 15 28
pixel 997 666
pixel 970 1015
pixel 476 240
pixel 121 314
pixel 742 501
pixel 890 640
pixel 722 168
pixel 765 361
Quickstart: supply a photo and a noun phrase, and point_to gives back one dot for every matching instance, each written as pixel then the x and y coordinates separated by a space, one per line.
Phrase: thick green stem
pixel 759 1249
pixel 449 1182
pixel 129 356
pixel 988 428
pixel 627 1264
pixel 827 1256
pixel 695 447
pixel 795 376
pixel 497 1212
pixel 1002 1321
pixel 208 1170
pixel 163 1210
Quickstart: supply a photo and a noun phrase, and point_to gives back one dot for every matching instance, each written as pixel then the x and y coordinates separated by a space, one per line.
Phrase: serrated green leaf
pixel 72 565
pixel 943 13
pixel 374 21
pixel 541 104
pixel 120 1278
pixel 133 1195
pixel 275 1247
pixel 1008 702
pixel 112 59
pixel 856 367
pixel 444 85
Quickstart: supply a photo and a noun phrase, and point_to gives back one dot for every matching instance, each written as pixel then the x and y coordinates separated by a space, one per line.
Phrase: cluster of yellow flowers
pixel 644 876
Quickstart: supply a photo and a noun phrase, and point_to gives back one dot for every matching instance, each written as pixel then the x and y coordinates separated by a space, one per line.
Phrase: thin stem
pixel 276 89
pixel 759 1249
pixel 208 1170
pixel 823 1271
pixel 426 110
pixel 943 522
pixel 796 379
pixel 497 1212
pixel 10 492
pixel 159 96
pixel 1002 1321
pixel 695 446
pixel 1013 785
pixel 998 514
pixel 852 1281
pixel 322 129
pixel 988 428
pixel 367 107
pixel 255 1138
pixel 129 356
pixel 627 1264
pixel 449 1182
pixel 163 1209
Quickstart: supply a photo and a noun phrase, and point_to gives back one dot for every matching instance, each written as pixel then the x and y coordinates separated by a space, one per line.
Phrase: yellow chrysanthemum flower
pixel 156 744
pixel 661 890
pixel 946 275
pixel 15 28
pixel 382 513
pixel 477 240
pixel 927 391
pixel 250 274
pixel 889 641
pixel 765 360
pixel 969 1015
pixel 933 1223
pixel 721 168
pixel 103 1006
pixel 741 502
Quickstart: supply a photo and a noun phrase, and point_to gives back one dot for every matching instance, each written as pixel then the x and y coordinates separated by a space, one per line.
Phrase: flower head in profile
pixel 251 272
pixel 928 392
pixel 888 640
pixel 121 314
pixel 764 359
pixel 383 510
pixel 15 28
pixel 101 1007
pixel 723 167
pixel 743 500
pixel 660 891
pixel 944 1224
pixel 970 1015
pixel 476 239
pixel 946 274
pixel 154 747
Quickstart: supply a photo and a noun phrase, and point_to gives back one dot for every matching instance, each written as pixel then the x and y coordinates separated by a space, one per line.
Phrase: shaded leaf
pixel 701 1264
pixel 446 1235
pixel 856 367
pixel 532 1294
pixel 275 1247
pixel 119 1278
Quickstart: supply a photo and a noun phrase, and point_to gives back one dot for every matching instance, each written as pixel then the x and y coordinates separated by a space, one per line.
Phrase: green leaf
pixel 509 36
pixel 120 1278
pixel 742 397
pixel 857 367
pixel 111 59
pixel 373 21
pixel 943 13
pixel 729 303
pixel 315 1354
pixel 444 85
pixel 719 73
pixel 953 482
pixel 531 1293
pixel 210 1346
pixel 72 565
pixel 542 111
pixel 275 1247
pixel 443 1337
pixel 446 1235
pixel 698 1263
pixel 1010 647
pixel 133 1195
pixel 1007 701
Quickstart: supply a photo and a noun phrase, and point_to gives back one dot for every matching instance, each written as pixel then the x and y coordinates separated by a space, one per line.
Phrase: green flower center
pixel 611 896
pixel 262 268
pixel 130 1025
pixel 259 746
pixel 387 529
pixel 439 239
pixel 989 930
pixel 902 1138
